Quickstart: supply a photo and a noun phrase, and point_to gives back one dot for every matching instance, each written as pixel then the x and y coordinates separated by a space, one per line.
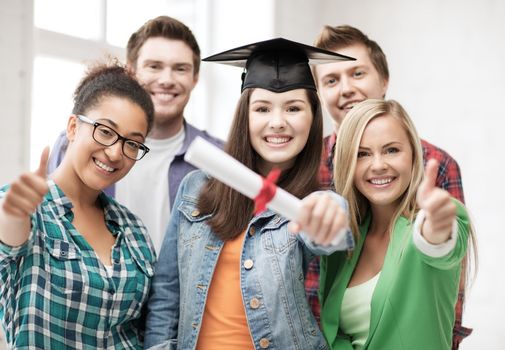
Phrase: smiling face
pixel 166 70
pixel 384 165
pixel 341 85
pixel 279 126
pixel 92 164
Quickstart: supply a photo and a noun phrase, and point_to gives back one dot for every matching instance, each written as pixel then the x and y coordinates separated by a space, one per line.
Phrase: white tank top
pixel 355 311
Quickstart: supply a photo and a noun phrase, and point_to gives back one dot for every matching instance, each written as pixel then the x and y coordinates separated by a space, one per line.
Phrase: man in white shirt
pixel 165 57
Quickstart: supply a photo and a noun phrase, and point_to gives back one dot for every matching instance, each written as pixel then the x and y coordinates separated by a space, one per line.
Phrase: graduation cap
pixel 278 64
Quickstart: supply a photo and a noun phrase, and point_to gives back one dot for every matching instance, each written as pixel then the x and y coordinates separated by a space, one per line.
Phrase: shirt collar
pixel 271 218
pixel 61 206
pixel 57 201
pixel 332 140
pixel 190 133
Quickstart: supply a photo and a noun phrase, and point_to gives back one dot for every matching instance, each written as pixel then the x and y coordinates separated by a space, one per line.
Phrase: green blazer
pixel 414 299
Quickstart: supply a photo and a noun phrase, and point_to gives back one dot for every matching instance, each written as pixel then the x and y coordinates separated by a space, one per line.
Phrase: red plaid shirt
pixel 449 178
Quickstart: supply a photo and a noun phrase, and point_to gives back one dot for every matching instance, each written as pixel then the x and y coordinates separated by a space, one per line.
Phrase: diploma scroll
pixel 231 172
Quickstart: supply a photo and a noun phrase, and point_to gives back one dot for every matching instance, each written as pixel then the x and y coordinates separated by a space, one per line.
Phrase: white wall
pixel 229 25
pixel 447 69
pixel 15 83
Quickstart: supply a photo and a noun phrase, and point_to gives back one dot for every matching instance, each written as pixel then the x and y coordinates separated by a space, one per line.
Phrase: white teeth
pixel 164 96
pixel 277 140
pixel 381 181
pixel 103 166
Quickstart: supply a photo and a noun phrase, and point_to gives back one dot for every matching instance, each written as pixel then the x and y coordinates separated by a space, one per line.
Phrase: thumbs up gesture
pixel 27 191
pixel 438 206
pixel 20 201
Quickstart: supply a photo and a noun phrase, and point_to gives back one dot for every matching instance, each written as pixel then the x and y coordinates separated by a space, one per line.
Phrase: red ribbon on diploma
pixel 267 191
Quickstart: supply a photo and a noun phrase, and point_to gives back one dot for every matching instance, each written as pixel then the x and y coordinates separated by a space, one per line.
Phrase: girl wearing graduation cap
pixel 227 278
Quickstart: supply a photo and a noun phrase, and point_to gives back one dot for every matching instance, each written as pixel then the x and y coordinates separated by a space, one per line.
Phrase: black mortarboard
pixel 278 64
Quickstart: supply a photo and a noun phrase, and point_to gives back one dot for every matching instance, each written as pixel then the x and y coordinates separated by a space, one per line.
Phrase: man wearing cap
pixel 343 85
pixel 165 57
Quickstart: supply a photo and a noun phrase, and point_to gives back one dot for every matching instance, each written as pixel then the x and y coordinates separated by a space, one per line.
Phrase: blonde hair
pixel 346 151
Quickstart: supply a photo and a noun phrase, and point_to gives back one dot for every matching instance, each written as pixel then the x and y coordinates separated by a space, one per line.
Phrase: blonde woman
pixel 411 237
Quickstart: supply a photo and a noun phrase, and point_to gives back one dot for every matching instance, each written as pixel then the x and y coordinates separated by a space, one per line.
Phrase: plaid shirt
pixel 55 293
pixel 449 178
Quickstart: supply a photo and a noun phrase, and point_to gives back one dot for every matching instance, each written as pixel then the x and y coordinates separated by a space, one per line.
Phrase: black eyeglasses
pixel 106 136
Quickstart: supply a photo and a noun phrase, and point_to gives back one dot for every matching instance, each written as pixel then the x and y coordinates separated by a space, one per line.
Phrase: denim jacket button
pixel 264 343
pixel 252 231
pixel 248 264
pixel 254 303
pixel 195 213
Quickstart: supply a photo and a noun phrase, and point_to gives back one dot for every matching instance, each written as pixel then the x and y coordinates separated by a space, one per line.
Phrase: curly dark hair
pixel 105 79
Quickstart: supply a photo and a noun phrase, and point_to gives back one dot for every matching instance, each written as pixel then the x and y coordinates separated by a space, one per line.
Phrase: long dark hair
pixel 232 210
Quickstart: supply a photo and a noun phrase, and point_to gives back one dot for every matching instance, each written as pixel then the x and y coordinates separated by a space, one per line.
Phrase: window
pixel 82 18
pixel 51 107
pixel 126 16
pixel 65 44
pixel 93 29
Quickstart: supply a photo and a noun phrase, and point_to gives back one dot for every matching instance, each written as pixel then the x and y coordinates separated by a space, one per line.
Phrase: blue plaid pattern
pixel 55 292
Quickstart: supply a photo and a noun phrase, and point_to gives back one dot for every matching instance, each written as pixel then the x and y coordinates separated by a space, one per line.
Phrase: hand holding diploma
pixel 318 215
pixel 321 218
pixel 439 209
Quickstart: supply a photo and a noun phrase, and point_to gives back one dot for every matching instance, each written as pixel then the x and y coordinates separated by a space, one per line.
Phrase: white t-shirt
pixel 144 190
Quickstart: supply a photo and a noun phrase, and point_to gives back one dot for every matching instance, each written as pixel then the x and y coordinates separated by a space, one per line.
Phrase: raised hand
pixel 439 208
pixel 321 218
pixel 20 201
pixel 26 192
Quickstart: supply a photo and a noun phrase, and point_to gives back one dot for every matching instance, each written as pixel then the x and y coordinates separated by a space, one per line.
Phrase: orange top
pixel 224 323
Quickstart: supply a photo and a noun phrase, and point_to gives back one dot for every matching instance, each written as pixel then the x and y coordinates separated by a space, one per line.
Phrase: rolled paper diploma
pixel 220 165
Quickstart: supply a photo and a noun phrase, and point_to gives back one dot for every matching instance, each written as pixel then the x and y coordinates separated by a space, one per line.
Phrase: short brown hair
pixel 334 38
pixel 164 27
pixel 231 210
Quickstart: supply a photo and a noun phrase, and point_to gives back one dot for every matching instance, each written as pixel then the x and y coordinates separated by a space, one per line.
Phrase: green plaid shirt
pixel 55 292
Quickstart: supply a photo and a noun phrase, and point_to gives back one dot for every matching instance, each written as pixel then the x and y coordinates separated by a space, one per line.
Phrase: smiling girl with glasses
pixel 107 136
pixel 76 266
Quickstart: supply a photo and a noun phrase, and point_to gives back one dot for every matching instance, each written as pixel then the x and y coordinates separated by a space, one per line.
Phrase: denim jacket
pixel 188 256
